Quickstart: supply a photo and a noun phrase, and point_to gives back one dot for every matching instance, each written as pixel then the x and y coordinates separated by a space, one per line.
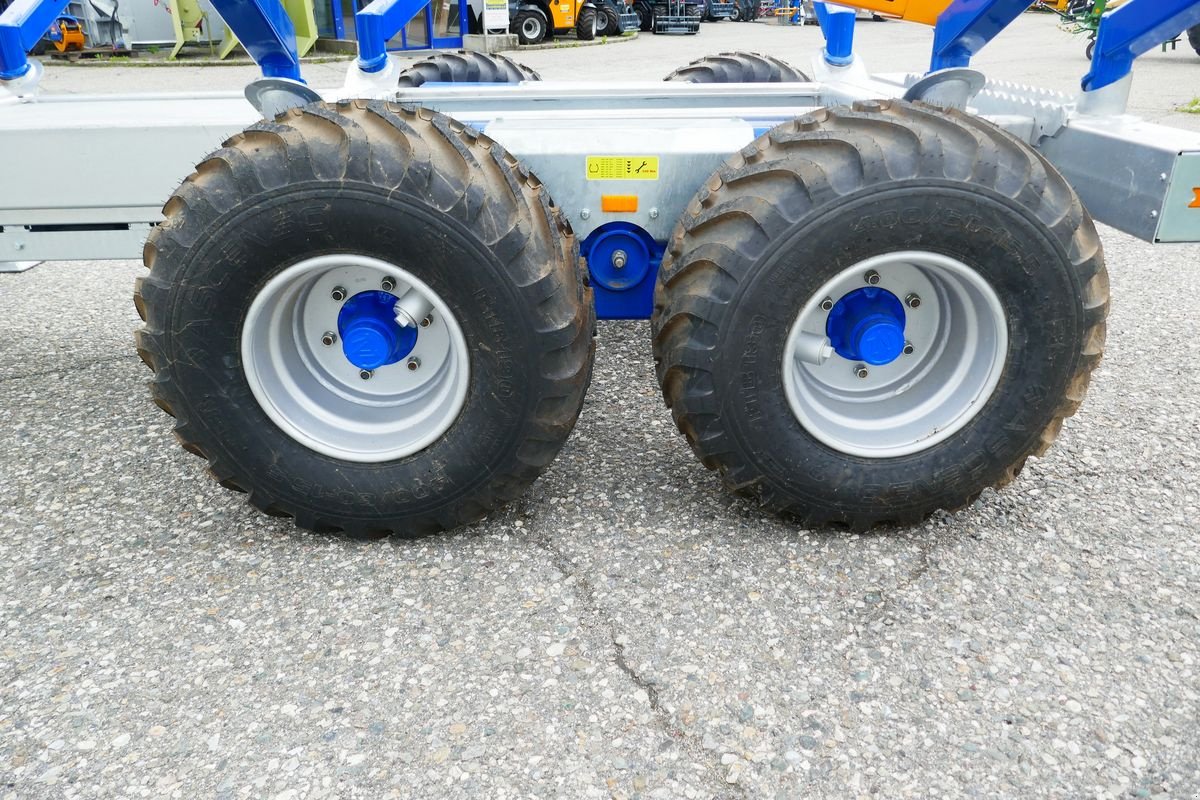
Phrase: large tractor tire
pixel 1193 35
pixel 873 313
pixel 271 323
pixel 466 67
pixel 587 24
pixel 530 27
pixel 609 21
pixel 645 14
pixel 738 67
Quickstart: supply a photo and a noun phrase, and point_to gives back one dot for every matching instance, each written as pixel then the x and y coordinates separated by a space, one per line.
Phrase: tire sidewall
pixel 232 261
pixel 1006 246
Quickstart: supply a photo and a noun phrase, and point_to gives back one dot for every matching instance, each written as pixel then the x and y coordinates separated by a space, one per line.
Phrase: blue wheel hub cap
pixel 371 337
pixel 867 325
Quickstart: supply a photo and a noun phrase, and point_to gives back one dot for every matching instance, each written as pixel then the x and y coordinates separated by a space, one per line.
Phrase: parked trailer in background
pixel 372 309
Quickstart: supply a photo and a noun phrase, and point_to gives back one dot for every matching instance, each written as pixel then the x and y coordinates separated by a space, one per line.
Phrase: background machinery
pixel 669 16
pixel 372 308
pixel 536 20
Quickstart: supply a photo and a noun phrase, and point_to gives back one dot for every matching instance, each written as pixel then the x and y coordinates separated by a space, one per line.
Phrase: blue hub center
pixel 867 325
pixel 371 337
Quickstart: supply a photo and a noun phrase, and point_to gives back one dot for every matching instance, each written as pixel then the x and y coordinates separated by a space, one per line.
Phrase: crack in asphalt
pixel 67 368
pixel 663 716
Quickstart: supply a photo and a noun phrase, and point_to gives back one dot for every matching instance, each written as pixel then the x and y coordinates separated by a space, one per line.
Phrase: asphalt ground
pixel 626 629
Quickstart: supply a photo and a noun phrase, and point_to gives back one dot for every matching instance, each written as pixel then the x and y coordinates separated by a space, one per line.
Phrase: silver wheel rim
pixel 959 338
pixel 318 397
pixel 531 28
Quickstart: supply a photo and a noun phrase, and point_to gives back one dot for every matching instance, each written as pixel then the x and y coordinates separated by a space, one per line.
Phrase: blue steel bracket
pixel 837 26
pixel 267 33
pixel 377 23
pixel 966 26
pixel 21 25
pixel 1132 29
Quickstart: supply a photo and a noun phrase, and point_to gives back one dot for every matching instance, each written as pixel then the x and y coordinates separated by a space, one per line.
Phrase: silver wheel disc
pixel 958 335
pixel 312 391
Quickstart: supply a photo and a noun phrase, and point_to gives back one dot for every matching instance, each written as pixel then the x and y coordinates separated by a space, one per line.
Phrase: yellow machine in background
pixel 924 11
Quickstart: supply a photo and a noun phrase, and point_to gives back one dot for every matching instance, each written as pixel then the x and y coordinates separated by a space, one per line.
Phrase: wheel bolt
pixel 913 300
pixel 387 284
pixel 425 322
pixel 328 338
pixel 414 364
pixel 908 348
pixel 366 374
pixel 620 259
pixel 827 304
pixel 872 277
pixel 338 294
pixel 860 371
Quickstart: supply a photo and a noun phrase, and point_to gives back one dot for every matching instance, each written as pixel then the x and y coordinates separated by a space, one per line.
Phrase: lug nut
pixel 908 348
pixel 425 322
pixel 414 364
pixel 366 374
pixel 619 259
pixel 827 304
pixel 913 300
pixel 338 294
pixel 387 284
pixel 861 371
pixel 872 277
pixel 328 338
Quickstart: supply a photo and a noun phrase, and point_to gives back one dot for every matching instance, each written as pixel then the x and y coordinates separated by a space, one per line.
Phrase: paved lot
pixel 626 629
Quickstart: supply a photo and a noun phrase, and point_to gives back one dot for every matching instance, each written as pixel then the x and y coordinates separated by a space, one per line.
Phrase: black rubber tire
pixel 1193 36
pixel 815 196
pixel 519 25
pixel 587 24
pixel 466 67
pixel 737 13
pixel 386 181
pixel 737 67
pixel 1091 48
pixel 645 17
pixel 609 21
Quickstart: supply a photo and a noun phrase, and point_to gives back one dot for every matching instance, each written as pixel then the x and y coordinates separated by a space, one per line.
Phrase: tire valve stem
pixel 366 374
pixel 387 284
pixel 328 338
pixel 860 370
pixel 414 364
pixel 827 304
pixel 338 294
pixel 872 277
pixel 908 348
pixel 913 300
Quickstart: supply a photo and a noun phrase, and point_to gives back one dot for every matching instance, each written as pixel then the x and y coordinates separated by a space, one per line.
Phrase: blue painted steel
pixel 622 292
pixel 837 25
pixel 339 20
pixel 267 33
pixel 371 337
pixel 21 25
pixel 377 23
pixel 966 26
pixel 867 325
pixel 1132 29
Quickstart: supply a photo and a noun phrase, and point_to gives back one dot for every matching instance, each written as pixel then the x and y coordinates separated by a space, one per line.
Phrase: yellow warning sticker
pixel 622 168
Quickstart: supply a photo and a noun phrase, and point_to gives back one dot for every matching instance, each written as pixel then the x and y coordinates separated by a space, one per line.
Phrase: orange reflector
pixel 620 202
pixel 1195 201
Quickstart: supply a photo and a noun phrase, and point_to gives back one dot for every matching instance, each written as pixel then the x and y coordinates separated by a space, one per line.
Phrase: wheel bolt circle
pixel 328 338
pixel 387 284
pixel 908 348
pixel 860 370
pixel 872 277
pixel 366 374
pixel 913 300
pixel 338 294
pixel 827 304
